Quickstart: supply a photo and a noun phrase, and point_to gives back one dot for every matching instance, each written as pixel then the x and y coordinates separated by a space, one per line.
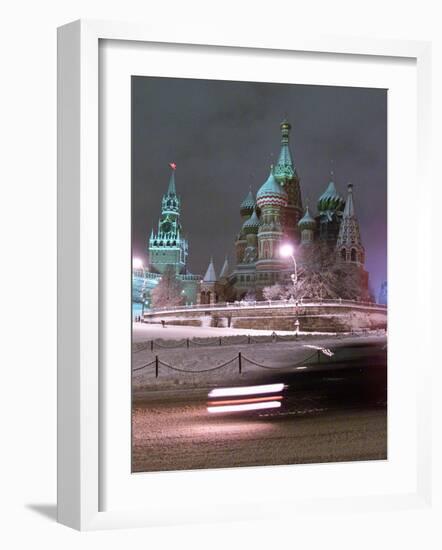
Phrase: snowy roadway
pixel 182 436
pixel 326 419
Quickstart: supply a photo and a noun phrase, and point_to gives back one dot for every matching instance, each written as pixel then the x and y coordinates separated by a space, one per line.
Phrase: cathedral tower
pixel 246 210
pixel 307 226
pixel 286 175
pixel 272 200
pixel 330 206
pixel 349 245
pixel 167 247
pixel 250 230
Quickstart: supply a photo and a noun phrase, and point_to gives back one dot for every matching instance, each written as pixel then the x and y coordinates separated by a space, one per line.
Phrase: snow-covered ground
pixel 146 331
pixel 184 367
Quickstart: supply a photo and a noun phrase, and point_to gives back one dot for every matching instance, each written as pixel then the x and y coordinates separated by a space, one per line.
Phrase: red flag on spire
pixel 172 165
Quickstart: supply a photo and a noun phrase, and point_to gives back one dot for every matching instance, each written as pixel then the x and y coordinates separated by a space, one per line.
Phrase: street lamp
pixel 287 251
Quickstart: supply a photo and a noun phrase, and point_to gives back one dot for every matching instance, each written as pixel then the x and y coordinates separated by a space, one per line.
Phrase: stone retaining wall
pixel 325 318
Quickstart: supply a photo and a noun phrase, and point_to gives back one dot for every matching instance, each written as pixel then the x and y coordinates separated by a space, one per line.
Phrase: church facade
pixel 327 248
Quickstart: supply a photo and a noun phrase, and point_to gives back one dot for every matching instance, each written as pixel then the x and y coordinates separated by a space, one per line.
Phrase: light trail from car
pixel 241 401
pixel 246 390
pixel 245 407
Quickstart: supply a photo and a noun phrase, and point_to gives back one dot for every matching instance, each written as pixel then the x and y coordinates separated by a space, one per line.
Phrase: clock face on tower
pixel 166 226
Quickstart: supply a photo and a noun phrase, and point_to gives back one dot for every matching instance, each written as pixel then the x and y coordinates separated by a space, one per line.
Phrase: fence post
pixel 240 362
pixel 248 339
pixel 151 345
pixel 220 340
pixel 156 366
pixel 187 342
pixel 319 355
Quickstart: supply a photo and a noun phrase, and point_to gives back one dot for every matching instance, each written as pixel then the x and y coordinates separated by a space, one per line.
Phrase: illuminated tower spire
pixel 286 175
pixel 167 247
pixel 285 169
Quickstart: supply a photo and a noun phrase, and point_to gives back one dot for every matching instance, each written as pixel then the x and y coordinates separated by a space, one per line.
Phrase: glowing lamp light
pixel 137 263
pixel 286 250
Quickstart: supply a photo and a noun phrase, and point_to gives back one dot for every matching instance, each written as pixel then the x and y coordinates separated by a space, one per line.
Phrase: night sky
pixel 223 136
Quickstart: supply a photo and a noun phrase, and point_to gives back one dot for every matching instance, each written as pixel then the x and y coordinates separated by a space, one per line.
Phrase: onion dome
pixel 248 204
pixel 252 224
pixel 271 193
pixel 330 200
pixel 307 222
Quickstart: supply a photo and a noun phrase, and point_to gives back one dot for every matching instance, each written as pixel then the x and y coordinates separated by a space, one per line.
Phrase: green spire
pixel 171 190
pixel 171 201
pixel 285 169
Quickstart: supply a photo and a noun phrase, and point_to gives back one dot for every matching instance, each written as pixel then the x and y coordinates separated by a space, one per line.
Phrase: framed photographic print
pixel 228 229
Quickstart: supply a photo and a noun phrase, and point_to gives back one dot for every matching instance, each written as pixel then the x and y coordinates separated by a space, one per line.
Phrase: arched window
pixel 343 254
pixel 353 255
pixel 203 297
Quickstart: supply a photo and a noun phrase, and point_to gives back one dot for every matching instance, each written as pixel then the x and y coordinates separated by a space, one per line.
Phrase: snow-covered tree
pixel 274 292
pixel 317 285
pixel 320 278
pixel 169 290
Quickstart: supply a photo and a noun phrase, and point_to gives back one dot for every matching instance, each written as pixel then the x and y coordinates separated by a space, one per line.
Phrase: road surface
pixel 183 436
pixel 333 410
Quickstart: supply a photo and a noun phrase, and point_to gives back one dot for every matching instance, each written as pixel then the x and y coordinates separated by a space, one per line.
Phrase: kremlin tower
pixel 168 247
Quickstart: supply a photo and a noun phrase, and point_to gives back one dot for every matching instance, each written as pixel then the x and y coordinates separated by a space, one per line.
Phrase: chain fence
pixel 240 359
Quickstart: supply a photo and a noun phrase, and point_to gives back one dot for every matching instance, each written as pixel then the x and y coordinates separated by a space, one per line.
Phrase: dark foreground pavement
pixel 181 437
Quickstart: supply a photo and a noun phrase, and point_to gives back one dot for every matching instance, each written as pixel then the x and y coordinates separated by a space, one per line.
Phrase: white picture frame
pixel 79 273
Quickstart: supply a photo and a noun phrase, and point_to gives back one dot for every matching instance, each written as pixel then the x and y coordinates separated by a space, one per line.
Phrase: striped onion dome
pixel 330 200
pixel 248 204
pixel 307 222
pixel 271 193
pixel 252 224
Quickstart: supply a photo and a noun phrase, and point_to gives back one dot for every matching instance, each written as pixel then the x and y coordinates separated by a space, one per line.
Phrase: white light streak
pixel 246 390
pixel 245 407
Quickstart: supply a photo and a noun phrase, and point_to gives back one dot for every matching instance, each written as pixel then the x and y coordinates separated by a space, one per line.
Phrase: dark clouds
pixel 223 137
